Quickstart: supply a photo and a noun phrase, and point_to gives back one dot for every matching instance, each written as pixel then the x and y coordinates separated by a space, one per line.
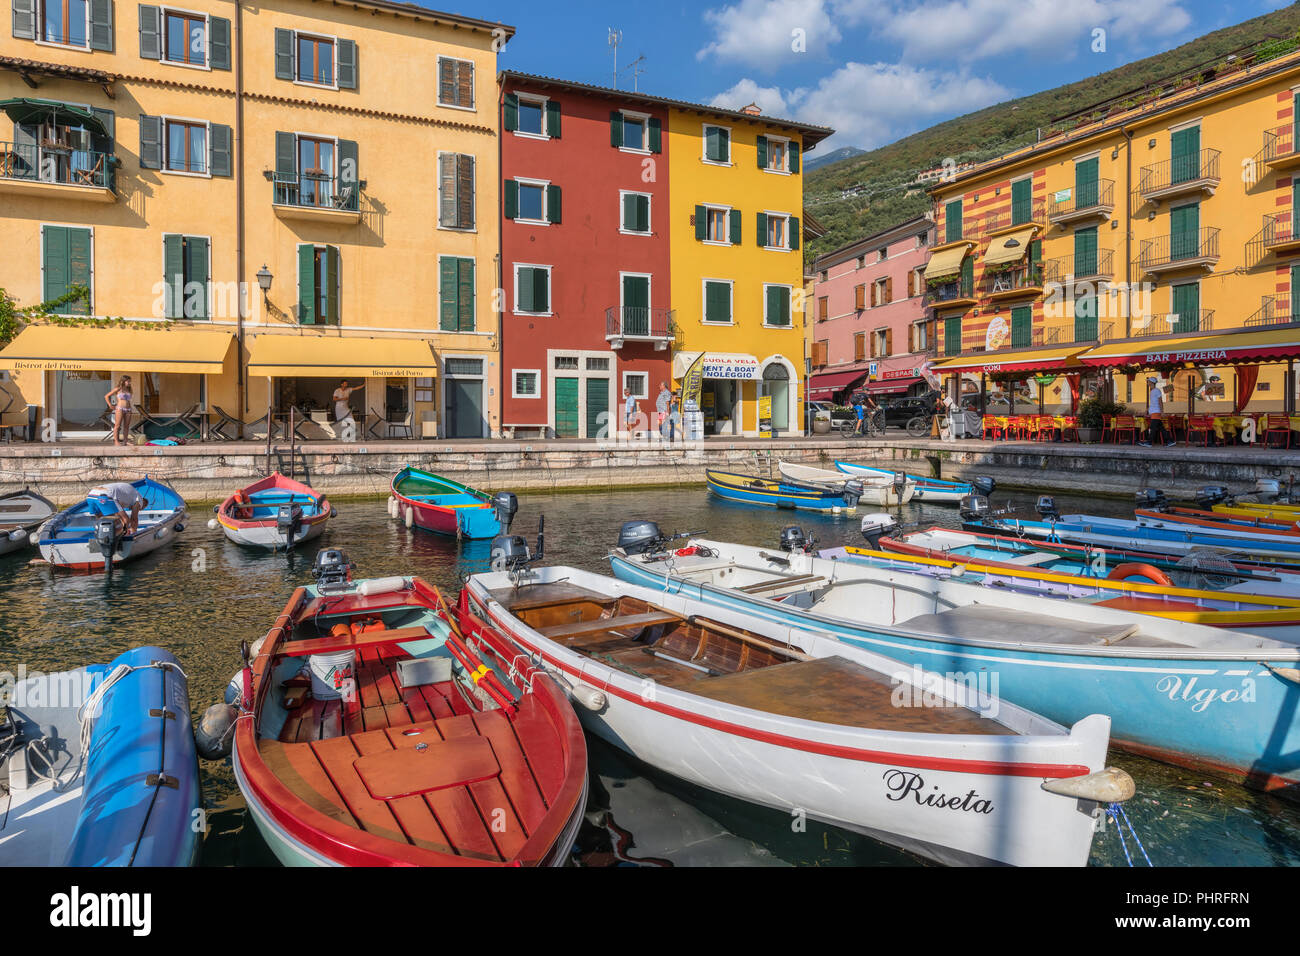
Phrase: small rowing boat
pixel 756 490
pixel 927 489
pixel 785 717
pixel 275 512
pixel 21 513
pixel 1217 522
pixel 424 500
pixel 80 539
pixel 882 492
pixel 375 725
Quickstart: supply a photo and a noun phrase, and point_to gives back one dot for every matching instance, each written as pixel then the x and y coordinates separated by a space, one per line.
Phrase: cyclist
pixel 863 406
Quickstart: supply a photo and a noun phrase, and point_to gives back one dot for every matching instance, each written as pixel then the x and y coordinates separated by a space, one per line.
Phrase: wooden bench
pixel 799 581
pixel 332 645
pixel 618 622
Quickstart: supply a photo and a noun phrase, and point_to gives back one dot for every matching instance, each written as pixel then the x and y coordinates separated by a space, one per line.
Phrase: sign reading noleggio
pixel 76 909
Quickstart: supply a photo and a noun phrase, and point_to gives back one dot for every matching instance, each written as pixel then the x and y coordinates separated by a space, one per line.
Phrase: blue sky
pixel 875 70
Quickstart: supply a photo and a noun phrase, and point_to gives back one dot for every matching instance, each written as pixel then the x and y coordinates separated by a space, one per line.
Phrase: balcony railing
pixel 632 322
pixel 1077 330
pixel 1082 266
pixel 1279 148
pixel 315 190
pixel 1281 309
pixel 1094 198
pixel 57 164
pixel 1179 249
pixel 1022 279
pixel 953 290
pixel 1172 323
pixel 1180 174
pixel 1020 214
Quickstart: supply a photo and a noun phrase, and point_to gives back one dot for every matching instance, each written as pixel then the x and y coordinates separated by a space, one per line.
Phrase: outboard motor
pixel 1268 489
pixel 288 521
pixel 332 569
pixel 853 490
pixel 900 485
pixel 1151 498
pixel 1046 508
pixel 876 526
pixel 973 508
pixel 510 551
pixel 639 536
pixel 106 535
pixel 507 505
pixel 793 538
pixel 983 485
pixel 1212 495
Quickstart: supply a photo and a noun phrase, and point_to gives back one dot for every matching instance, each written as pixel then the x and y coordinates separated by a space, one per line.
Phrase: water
pixel 202 597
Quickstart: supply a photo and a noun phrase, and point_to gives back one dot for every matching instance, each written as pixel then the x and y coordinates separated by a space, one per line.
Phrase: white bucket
pixel 331 674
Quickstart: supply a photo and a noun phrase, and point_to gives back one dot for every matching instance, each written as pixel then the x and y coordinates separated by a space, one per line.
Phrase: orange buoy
pixel 1134 569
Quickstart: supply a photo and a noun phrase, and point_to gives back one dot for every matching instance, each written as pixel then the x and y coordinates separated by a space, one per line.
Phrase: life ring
pixel 1134 569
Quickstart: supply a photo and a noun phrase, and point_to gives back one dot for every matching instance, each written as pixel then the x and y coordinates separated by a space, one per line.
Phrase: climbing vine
pixel 13 318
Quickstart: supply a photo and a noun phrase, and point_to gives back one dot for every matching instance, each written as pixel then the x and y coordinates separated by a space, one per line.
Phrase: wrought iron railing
pixel 1171 323
pixel 1202 164
pixel 54 163
pixel 632 322
pixel 1022 213
pixel 1023 277
pixel 1099 194
pixel 1168 249
pixel 1282 309
pixel 956 288
pixel 316 190
pixel 1084 264
pixel 1278 143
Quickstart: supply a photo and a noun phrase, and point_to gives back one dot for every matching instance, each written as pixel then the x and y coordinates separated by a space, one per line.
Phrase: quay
pixel 211 470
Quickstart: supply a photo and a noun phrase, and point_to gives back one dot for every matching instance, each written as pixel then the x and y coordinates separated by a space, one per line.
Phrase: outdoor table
pixel 1227 426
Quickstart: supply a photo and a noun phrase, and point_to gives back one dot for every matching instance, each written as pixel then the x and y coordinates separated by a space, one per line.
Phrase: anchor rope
pixel 1115 811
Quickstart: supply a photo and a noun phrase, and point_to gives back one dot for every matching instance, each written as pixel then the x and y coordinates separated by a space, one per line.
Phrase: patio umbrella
pixel 28 111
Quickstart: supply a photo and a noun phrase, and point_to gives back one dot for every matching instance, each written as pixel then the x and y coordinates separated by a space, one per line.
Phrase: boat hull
pixel 927 489
pixel 774 494
pixel 453 509
pixel 879 493
pixel 265 534
pixel 67 540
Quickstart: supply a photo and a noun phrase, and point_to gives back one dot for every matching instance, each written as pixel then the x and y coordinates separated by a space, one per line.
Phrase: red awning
pixel 824 386
pixel 892 386
pixel 1222 349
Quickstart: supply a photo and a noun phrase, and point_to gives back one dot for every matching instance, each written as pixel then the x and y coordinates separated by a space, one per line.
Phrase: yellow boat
pixel 1259 509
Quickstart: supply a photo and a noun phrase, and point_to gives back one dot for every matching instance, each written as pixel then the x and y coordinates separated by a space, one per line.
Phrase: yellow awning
pixel 329 357
pixel 1009 248
pixel 1028 360
pixel 1260 346
pixel 946 262
pixel 59 348
pixel 13 406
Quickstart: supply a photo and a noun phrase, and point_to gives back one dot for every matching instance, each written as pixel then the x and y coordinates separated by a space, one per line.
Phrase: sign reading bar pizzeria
pixel 715 365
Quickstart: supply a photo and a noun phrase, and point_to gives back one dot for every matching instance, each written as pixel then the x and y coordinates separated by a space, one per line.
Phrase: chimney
pixel 752 109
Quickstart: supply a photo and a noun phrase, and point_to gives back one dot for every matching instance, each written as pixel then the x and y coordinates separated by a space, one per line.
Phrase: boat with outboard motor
pixel 99 766
pixel 374 724
pixel 21 513
pixel 782 716
pixel 421 499
pixel 771 493
pixel 1213 699
pixel 881 492
pixel 929 490
pixel 275 512
pixel 80 539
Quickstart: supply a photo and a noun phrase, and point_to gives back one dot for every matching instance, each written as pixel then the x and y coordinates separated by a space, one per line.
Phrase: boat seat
pixel 1033 559
pixel 980 622
pixel 599 625
pixel 332 645
pixel 798 582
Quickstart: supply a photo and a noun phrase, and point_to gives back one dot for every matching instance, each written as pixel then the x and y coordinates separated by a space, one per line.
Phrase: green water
pixel 204 595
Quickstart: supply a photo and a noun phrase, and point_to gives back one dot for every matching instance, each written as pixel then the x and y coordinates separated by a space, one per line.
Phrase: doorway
pixel 776 385
pixel 464 394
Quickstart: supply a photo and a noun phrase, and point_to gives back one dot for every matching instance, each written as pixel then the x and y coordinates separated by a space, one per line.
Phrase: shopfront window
pixel 80 397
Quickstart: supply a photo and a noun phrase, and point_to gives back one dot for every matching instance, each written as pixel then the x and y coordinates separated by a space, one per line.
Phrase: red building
pixel 584 256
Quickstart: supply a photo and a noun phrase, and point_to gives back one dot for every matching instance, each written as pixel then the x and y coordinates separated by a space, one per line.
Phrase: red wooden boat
pixel 477 760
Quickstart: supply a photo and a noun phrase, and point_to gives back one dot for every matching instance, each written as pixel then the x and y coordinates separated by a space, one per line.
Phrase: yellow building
pixel 736 195
pixel 1148 237
pixel 266 204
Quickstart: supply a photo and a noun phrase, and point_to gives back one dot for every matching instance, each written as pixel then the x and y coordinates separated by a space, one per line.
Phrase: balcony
pixel 1276 310
pixel 1279 235
pixel 950 293
pixel 1279 152
pixel 1078 330
pixel 1183 250
pixel 1094 200
pixel 1017 217
pixel 1020 282
pixel 56 170
pixel 1195 172
pixel 317 196
pixel 1172 323
pixel 1080 267
pixel 634 324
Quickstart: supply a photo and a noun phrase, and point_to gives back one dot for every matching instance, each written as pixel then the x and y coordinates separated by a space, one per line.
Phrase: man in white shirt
pixel 1155 412
pixel 630 412
pixel 117 500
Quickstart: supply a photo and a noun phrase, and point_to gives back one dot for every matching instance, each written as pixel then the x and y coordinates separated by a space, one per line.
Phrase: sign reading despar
pixel 899 373
pixel 729 366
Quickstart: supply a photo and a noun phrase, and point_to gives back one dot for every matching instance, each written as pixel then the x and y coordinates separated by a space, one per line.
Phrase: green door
pixel 1187 308
pixel 1184 231
pixel 952 336
pixel 566 408
pixel 1085 252
pixel 1185 161
pixel 1021 194
pixel 1295 208
pixel 1022 325
pixel 1085 183
pixel 1085 319
pixel 952 221
pixel 967 278
pixel 636 305
pixel 598 423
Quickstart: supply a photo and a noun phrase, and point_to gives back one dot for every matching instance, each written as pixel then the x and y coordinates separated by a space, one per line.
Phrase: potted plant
pixel 1092 418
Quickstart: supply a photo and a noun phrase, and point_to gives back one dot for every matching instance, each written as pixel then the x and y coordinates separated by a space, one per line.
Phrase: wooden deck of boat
pixel 320 758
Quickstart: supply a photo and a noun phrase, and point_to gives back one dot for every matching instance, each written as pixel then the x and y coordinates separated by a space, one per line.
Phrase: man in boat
pixel 117 500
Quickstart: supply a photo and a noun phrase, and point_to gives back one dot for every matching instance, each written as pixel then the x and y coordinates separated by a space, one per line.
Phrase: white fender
pixel 589 697
pixel 215 732
pixel 382 585
pixel 213 524
pixel 392 507
pixel 19 536
pixel 410 517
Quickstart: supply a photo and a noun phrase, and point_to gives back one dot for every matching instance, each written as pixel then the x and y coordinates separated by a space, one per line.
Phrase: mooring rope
pixel 1115 811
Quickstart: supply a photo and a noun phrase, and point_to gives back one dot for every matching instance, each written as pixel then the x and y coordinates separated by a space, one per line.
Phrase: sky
pixel 874 70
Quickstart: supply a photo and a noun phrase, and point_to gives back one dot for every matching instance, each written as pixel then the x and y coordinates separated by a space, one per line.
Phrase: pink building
pixel 869 327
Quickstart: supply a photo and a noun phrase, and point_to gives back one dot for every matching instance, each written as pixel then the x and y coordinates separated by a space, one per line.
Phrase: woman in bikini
pixel 119 400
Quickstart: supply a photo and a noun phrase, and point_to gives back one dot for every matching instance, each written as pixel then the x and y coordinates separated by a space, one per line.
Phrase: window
pixel 463 366
pixel 186 272
pixel 64 21
pixel 882 291
pixel 530 200
pixel 455 191
pixel 66 261
pixel 318 285
pixel 456 294
pixel 777 227
pixel 717 301
pixel 317 60
pixel 527 383
pixel 532 290
pixel 597 365
pixel 315 171
pixel 882 255
pixel 635 212
pixel 778 231
pixel 187 146
pixel 920 336
pixel 566 363
pixel 634 131
pixel 776 305
pixel 717 228
pixel 638 132
pixel 637 384
pixel 455 83
pixel 532 116
pixel 185 38
pixel 881 344
pixel 717 145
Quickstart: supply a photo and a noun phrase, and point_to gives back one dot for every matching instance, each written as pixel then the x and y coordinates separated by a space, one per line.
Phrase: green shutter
pixel 1295 206
pixel 615 128
pixel 349 172
pixel 1185 154
pixel 174 276
pixel 794 156
pixel 952 336
pixel 711 143
pixel 1085 252
pixel 150 142
pixel 150 40
pixel 347 64
pixel 219 43
pixel 778 305
pixel 524 291
pixel 967 276
pixel 701 223
pixel 735 227
pixel 196 256
pixel 1295 293
pixel 448 319
pixel 656 135
pixel 1184 231
pixel 283 54
pixel 512 199
pixel 1187 307
pixel 465 294
pixel 1021 201
pixel 1022 321
pixel 55 276
pixel 553 203
pixel 101 25
pixel 553 119
pixel 642 213
pixel 952 221
pixel 286 158
pixel 718 302
pixel 541 291
pixel 332 284
pixel 762 152
pixel 1085 318
pixel 511 112
pixel 307 284
pixel 1085 183
pixel 219 145
pixel 67 263
pixel 761 234
pixel 794 232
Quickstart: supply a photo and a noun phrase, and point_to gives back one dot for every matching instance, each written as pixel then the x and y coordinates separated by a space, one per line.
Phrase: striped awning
pixel 1010 248
pixel 946 261
pixel 1222 349
pixel 1029 360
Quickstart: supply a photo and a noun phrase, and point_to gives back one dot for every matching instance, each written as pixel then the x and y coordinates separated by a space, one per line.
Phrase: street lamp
pixel 264 278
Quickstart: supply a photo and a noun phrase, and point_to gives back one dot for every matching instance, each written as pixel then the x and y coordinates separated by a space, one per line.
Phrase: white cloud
pixel 765 33
pixel 870 104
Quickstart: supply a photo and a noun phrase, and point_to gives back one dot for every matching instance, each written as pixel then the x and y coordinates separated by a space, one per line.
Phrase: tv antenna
pixel 636 69
pixel 615 38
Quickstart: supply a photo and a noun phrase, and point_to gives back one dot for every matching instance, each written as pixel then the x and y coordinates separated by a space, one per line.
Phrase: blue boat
pixel 755 490
pixel 927 489
pixel 1207 698
pixel 429 501
pixel 101 766
pixel 79 539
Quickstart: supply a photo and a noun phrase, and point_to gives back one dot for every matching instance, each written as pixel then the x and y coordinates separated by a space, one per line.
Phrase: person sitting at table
pixel 1155 409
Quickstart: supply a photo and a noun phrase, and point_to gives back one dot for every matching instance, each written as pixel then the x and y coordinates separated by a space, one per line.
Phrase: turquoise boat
pixel 425 500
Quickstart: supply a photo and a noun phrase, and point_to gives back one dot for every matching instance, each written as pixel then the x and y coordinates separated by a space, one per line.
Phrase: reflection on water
pixel 203 596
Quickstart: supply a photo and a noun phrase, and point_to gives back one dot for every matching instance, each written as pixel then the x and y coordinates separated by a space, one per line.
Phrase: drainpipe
pixel 1128 230
pixel 241 391
pixel 499 213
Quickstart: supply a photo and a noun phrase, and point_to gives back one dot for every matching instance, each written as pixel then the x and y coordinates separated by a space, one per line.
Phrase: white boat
pixel 879 491
pixel 21 513
pixel 77 539
pixel 929 490
pixel 795 720
pixel 275 513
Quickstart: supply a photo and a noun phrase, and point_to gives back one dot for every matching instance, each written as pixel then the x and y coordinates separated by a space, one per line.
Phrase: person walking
pixel 630 412
pixel 1155 416
pixel 662 402
pixel 674 416
pixel 119 401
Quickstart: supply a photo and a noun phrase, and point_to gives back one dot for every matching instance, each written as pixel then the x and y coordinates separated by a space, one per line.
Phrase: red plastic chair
pixel 990 424
pixel 1071 424
pixel 1200 425
pixel 1277 425
pixel 1046 428
pixel 1124 423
